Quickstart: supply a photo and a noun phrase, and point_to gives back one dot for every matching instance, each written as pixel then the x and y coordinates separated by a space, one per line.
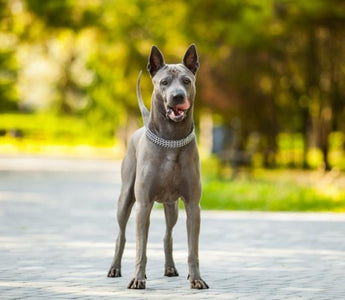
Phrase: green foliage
pixel 8 64
pixel 273 191
pixel 8 74
pixel 64 13
pixel 277 65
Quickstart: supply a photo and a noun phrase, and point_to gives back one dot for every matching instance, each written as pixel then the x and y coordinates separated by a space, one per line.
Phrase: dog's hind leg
pixel 124 208
pixel 171 214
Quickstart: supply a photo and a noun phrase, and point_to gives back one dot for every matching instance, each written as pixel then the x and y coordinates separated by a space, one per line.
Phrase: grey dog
pixel 162 164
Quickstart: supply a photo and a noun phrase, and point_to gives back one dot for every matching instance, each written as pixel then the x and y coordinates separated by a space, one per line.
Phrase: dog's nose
pixel 178 97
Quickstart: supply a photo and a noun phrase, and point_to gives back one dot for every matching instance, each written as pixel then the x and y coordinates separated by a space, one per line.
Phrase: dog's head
pixel 174 85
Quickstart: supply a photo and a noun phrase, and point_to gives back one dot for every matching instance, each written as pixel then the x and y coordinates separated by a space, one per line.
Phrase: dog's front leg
pixel 193 230
pixel 171 214
pixel 143 210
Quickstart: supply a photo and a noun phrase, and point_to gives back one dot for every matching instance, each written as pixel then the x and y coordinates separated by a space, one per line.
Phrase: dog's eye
pixel 164 82
pixel 186 80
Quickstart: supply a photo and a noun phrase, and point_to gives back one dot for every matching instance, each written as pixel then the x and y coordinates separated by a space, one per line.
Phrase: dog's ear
pixel 190 59
pixel 156 61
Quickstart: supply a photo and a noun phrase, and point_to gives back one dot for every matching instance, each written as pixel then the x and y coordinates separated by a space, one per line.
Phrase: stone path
pixel 57 231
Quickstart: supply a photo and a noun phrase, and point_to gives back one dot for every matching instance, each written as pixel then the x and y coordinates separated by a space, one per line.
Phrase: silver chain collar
pixel 172 144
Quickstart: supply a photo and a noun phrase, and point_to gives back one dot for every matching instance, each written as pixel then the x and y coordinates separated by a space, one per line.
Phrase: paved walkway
pixel 57 231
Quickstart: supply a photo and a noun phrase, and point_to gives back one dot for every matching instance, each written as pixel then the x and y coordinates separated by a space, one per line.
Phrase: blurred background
pixel 270 90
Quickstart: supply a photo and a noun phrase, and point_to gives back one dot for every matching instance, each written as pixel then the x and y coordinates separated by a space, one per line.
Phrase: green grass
pixel 268 195
pixel 274 190
pixel 52 129
pixel 48 134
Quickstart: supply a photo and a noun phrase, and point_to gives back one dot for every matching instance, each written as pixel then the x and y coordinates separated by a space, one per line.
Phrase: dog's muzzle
pixel 177 107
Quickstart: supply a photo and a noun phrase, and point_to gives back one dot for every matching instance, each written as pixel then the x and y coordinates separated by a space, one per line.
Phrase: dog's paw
pixel 137 284
pixel 198 284
pixel 114 272
pixel 170 272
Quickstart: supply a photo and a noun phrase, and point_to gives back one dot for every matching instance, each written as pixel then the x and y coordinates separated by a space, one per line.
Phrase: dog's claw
pixel 198 284
pixel 171 272
pixel 137 284
pixel 114 272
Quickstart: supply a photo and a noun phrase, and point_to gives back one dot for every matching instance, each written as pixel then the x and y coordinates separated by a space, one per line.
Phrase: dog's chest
pixel 167 180
pixel 170 170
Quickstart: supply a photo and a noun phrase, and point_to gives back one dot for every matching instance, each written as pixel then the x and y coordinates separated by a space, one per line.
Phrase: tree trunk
pixel 325 129
pixel 306 134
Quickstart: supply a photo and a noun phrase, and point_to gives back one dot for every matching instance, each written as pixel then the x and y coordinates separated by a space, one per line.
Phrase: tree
pixel 270 65
pixel 8 64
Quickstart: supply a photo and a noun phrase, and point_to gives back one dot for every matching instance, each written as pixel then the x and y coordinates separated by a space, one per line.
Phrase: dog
pixel 162 164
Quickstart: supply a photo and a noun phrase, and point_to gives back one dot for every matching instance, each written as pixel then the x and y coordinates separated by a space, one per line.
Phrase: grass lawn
pixel 274 190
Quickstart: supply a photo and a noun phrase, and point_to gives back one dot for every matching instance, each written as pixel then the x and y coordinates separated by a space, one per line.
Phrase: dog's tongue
pixel 177 112
pixel 182 107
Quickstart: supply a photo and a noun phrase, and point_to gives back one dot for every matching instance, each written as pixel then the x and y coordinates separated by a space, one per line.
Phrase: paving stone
pixel 58 227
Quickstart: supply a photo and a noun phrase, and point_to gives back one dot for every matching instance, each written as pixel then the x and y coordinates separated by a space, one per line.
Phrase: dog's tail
pixel 145 113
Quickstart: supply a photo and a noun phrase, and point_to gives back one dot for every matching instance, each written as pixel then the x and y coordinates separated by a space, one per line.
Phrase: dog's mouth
pixel 178 112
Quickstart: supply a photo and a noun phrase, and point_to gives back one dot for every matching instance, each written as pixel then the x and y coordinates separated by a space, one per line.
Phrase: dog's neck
pixel 172 144
pixel 167 129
